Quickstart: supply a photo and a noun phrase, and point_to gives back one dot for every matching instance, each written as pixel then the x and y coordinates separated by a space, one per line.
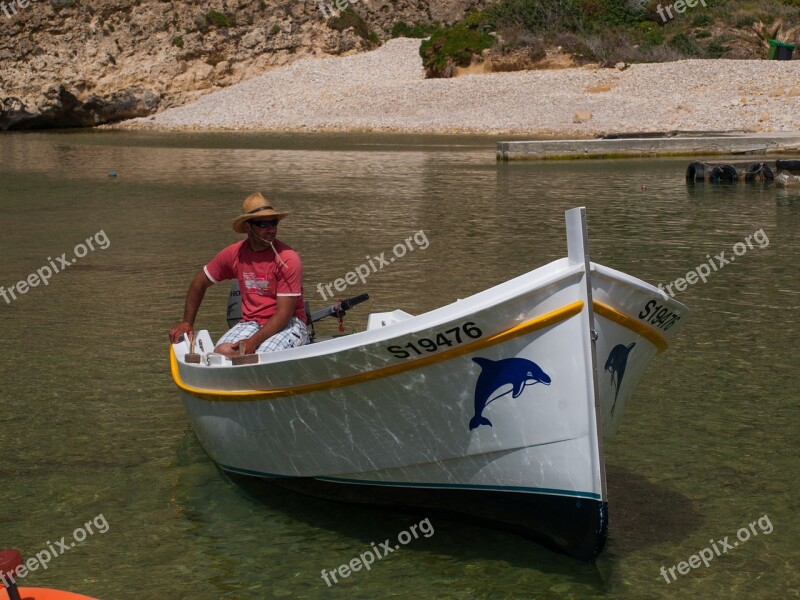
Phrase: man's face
pixel 264 229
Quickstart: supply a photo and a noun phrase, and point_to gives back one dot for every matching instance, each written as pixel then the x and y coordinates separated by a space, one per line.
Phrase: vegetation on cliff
pixel 348 19
pixel 610 31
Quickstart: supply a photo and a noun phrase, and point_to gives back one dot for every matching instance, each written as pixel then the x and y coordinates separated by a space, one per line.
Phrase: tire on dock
pixel 793 166
pixel 758 172
pixel 724 174
pixel 696 172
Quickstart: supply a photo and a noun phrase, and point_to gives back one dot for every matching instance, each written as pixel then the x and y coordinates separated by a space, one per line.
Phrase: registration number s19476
pixel 449 337
pixel 658 315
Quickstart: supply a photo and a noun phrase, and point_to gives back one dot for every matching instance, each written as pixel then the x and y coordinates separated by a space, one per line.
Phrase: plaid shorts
pixel 291 336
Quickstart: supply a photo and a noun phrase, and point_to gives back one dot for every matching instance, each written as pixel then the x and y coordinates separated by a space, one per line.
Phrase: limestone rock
pixel 98 56
pixel 254 38
pixel 63 109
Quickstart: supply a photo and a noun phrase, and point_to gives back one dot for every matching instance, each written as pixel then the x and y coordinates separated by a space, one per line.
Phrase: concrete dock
pixel 644 147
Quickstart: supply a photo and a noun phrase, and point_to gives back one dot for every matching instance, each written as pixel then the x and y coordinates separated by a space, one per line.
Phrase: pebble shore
pixel 386 90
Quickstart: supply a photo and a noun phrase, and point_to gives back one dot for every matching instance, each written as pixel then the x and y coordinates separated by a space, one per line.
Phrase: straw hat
pixel 255 206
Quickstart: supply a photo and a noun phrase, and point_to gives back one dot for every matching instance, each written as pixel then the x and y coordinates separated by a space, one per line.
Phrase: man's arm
pixel 197 290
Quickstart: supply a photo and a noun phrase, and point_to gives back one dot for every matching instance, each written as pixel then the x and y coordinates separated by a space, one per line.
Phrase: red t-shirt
pixel 262 278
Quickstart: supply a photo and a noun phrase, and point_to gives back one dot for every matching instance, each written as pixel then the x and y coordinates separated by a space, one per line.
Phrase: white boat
pixel 490 409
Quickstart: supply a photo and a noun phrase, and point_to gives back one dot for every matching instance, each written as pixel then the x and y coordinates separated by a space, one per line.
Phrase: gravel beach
pixel 386 90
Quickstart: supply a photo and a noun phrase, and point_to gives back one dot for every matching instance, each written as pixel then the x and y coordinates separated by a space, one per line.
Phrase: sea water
pixel 91 425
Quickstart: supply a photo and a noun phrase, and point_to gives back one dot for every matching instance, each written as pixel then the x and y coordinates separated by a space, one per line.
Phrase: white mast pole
pixel 578 254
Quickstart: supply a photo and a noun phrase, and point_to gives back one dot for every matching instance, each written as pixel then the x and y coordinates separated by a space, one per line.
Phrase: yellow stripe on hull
pixel 541 322
pixel 612 314
pixel 546 320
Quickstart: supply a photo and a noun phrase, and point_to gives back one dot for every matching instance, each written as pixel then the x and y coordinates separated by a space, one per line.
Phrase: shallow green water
pixel 91 423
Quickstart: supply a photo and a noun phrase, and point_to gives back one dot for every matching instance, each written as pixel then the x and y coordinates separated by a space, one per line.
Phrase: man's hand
pixel 176 332
pixel 231 350
pixel 227 350
pixel 250 346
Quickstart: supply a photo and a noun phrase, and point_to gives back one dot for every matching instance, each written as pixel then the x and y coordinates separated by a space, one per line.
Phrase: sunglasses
pixel 264 224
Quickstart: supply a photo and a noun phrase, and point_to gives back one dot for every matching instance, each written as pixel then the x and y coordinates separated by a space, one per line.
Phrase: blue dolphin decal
pixel 616 363
pixel 519 372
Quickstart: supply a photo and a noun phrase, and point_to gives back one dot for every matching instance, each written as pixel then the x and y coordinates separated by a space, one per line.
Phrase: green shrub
pixel 219 19
pixel 575 46
pixel 702 20
pixel 646 27
pixel 537 16
pixel 684 44
pixel 716 48
pixel 592 9
pixel 651 34
pixel 418 30
pixel 177 41
pixel 276 29
pixel 453 46
pixel 573 16
pixel 702 34
pixel 620 12
pixel 350 18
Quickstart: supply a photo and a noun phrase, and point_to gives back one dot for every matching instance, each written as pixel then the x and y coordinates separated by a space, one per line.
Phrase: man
pixel 270 278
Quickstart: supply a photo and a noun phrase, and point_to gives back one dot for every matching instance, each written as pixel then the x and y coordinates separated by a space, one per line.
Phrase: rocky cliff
pixel 73 63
